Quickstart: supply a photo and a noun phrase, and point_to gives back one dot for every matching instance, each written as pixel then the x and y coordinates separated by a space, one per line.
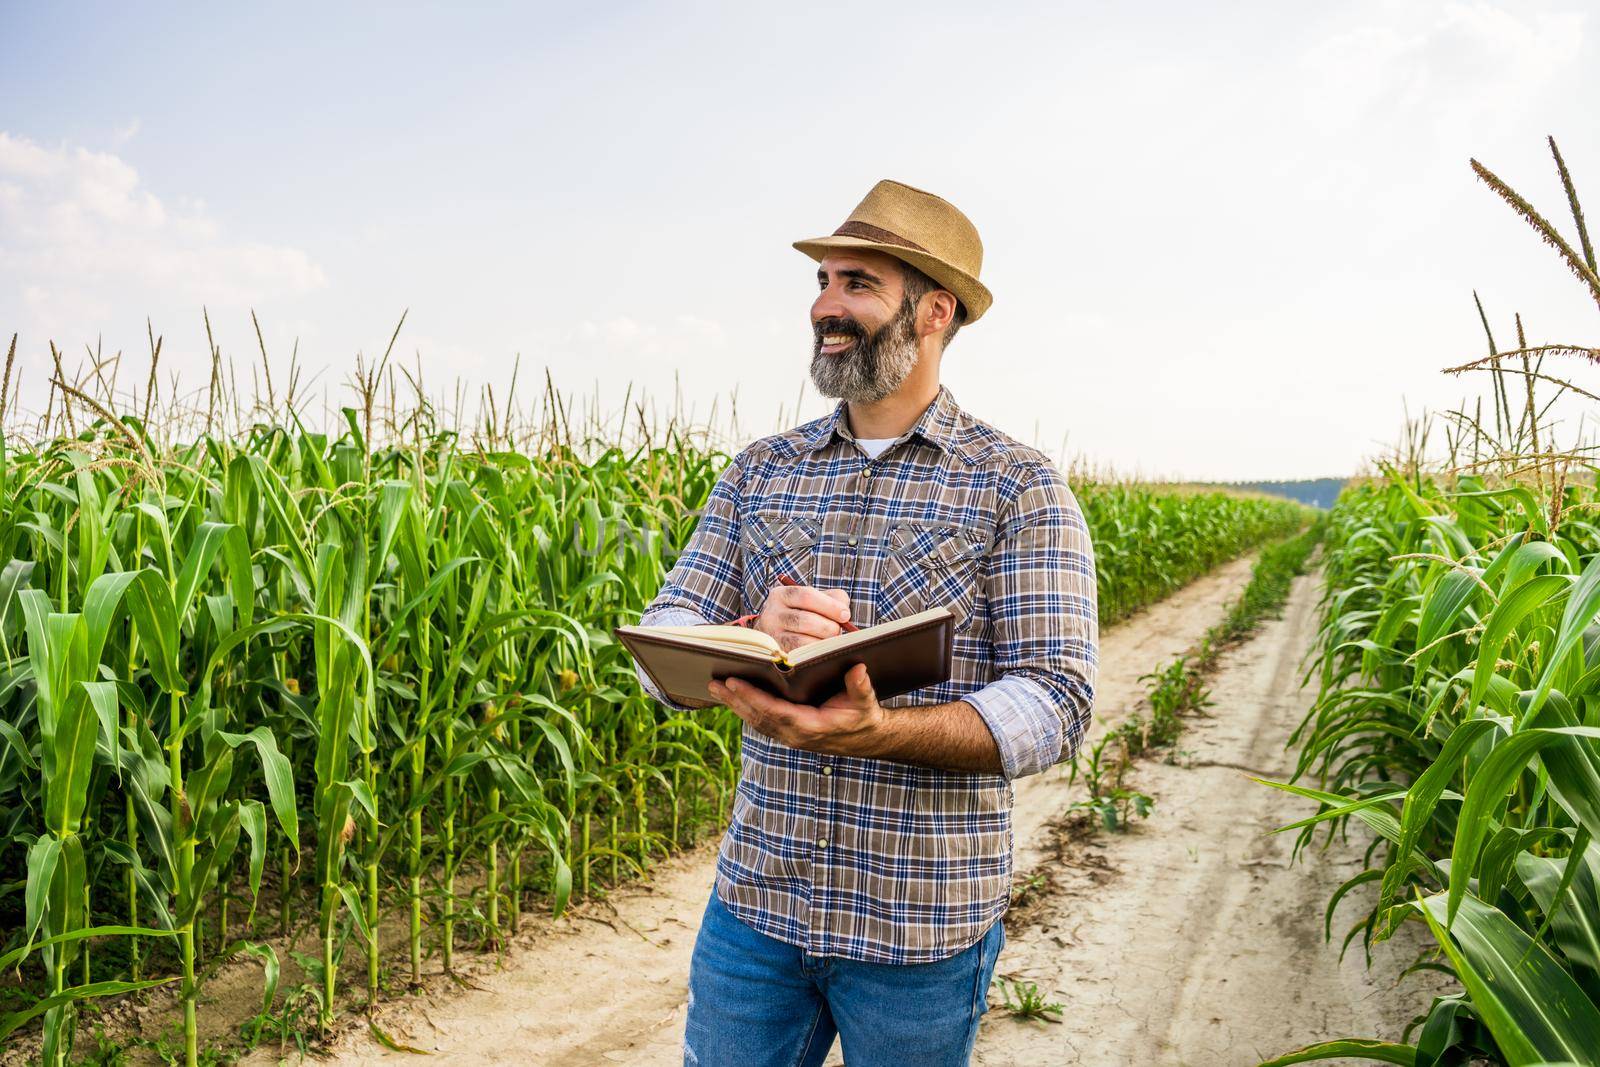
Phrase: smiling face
pixel 864 329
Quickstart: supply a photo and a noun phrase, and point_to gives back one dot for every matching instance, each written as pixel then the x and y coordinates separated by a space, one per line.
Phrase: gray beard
pixel 875 365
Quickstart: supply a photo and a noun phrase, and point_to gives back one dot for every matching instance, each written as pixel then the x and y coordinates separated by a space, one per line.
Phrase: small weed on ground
pixel 1024 1001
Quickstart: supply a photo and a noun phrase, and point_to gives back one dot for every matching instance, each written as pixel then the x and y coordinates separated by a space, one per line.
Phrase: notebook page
pixel 722 637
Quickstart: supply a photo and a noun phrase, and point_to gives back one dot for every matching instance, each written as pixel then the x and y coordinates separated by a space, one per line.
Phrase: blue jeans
pixel 755 1001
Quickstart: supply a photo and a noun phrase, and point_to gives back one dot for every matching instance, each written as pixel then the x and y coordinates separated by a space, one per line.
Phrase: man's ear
pixel 939 310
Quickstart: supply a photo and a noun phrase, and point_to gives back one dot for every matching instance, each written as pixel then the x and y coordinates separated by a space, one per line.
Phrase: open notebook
pixel 901 655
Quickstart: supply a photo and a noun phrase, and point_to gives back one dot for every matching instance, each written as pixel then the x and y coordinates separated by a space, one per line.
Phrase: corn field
pixel 1458 715
pixel 279 687
pixel 1149 543
pixel 1459 663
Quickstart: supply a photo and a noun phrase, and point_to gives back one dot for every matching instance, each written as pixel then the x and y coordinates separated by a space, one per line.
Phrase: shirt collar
pixel 940 424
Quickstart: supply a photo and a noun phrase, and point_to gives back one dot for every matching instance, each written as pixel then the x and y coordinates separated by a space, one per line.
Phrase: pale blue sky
pixel 1223 243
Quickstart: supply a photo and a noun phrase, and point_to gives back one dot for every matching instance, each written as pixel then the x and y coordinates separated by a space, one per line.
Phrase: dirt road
pixel 1192 941
pixel 1185 941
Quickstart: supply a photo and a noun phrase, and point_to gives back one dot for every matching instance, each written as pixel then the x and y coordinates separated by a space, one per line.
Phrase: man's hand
pixel 796 615
pixel 844 725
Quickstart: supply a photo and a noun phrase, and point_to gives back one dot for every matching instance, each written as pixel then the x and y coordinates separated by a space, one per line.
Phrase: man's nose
pixel 827 306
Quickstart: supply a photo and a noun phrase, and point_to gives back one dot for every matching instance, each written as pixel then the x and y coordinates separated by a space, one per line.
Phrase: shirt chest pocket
pixel 777 544
pixel 928 565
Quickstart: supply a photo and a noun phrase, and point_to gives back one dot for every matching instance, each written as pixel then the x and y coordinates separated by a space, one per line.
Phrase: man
pixel 861 880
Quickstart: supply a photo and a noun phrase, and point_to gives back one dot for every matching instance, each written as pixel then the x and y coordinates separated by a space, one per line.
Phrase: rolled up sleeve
pixel 1040 582
pixel 667 616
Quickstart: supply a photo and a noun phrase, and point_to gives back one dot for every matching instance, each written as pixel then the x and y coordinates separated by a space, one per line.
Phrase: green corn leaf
pixel 1531 512
pixel 17 955
pixel 279 776
pixel 1499 855
pixel 1441 610
pixel 1569 889
pixel 150 600
pixel 155 821
pixel 14 577
pixel 1370 810
pixel 19 745
pixel 1528 558
pixel 70 760
pixel 102 606
pixel 1573 766
pixel 1502 560
pixel 1534 1009
pixel 352 901
pixel 207 543
pixel 394 497
pixel 1423 798
pixel 362 796
pixel 269 969
pixel 43 858
pixel 561 890
pixel 108 741
pixel 333 808
pixel 1505 618
pixel 1582 605
pixel 69 896
pixel 559 744
pixel 9 1023
pixel 253 820
pixel 207 785
pixel 1379 1051
pixel 49 634
pixel 1441 1031
pixel 1486 794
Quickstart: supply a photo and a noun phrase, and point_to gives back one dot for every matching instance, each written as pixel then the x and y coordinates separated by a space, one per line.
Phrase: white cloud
pixel 1462 62
pixel 80 232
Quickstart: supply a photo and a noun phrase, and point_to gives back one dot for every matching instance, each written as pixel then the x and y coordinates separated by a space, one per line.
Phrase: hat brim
pixel 972 293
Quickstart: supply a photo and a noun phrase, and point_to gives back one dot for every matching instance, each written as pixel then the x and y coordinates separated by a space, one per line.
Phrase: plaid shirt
pixel 877 859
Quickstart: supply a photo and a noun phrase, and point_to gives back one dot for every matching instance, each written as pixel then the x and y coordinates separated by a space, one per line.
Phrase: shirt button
pixel 852 540
pixel 822 842
pixel 827 769
pixel 769 542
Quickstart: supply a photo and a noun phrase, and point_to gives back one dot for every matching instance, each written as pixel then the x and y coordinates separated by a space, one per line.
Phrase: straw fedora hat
pixel 922 229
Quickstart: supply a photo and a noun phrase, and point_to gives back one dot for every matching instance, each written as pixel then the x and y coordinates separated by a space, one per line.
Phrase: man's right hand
pixel 796 615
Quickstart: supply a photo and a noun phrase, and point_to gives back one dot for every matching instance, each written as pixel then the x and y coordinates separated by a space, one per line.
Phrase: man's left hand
pixel 844 725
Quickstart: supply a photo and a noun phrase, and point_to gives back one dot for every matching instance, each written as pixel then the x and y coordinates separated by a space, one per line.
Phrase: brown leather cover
pixel 897 663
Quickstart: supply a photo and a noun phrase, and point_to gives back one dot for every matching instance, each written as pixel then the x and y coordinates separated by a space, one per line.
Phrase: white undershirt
pixel 874 445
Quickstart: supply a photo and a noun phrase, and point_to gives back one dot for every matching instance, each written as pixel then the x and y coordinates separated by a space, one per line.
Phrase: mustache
pixel 847 327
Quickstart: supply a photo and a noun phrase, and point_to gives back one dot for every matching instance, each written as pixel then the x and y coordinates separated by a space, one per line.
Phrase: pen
pixel 847 626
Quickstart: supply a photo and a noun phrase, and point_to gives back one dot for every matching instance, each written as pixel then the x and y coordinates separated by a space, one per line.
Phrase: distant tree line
pixel 1317 492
